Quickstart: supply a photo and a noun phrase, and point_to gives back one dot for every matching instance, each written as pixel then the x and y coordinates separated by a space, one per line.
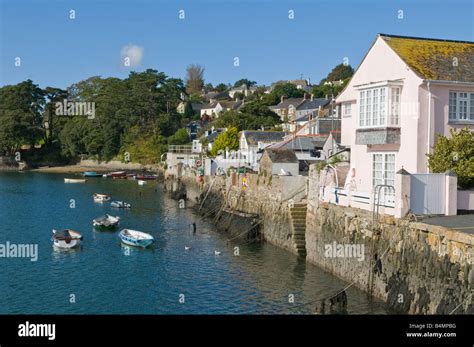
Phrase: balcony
pixel 378 136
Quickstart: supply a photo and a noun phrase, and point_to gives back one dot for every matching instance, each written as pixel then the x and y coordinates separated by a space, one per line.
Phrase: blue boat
pixel 136 238
pixel 92 174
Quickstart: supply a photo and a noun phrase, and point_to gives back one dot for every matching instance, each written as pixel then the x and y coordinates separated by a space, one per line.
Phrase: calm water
pixel 104 279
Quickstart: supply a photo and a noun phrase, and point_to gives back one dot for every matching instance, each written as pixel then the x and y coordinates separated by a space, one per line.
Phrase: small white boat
pixel 106 222
pixel 120 204
pixel 101 197
pixel 74 180
pixel 141 182
pixel 136 238
pixel 217 253
pixel 66 238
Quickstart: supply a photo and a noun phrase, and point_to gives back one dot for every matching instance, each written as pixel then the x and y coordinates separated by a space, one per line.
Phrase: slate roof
pixel 287 102
pixel 254 137
pixel 302 142
pixel 312 105
pixel 281 155
pixel 433 59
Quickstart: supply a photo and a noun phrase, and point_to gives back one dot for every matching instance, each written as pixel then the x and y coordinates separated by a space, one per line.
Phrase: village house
pixel 299 109
pixel 242 89
pixel 252 143
pixel 405 91
pixel 279 162
pixel 213 110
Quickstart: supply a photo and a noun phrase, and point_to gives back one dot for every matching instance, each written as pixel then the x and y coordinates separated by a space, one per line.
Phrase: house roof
pixel 281 155
pixel 254 137
pixel 314 104
pixel 302 142
pixel 212 136
pixel 434 59
pixel 287 102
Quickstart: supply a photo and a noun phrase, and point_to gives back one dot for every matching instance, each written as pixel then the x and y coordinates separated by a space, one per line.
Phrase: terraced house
pixel 405 91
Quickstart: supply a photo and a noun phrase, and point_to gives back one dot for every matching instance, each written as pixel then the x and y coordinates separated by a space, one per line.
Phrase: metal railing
pixel 180 149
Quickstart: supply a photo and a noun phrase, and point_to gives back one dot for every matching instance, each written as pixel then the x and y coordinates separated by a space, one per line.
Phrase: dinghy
pixel 66 238
pixel 74 180
pixel 141 182
pixel 146 177
pixel 136 238
pixel 106 222
pixel 120 204
pixel 92 174
pixel 101 197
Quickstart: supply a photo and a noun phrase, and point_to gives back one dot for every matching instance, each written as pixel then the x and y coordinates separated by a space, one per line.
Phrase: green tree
pixel 221 87
pixel 227 140
pixel 455 153
pixel 181 137
pixel 245 81
pixel 21 118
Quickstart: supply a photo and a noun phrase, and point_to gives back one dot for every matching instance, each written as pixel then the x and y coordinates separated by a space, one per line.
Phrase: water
pixel 105 277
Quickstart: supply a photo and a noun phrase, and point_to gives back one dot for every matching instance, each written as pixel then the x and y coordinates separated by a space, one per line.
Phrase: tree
pixel 221 87
pixel 194 78
pixel 228 140
pixel 53 95
pixel 455 153
pixel 339 72
pixel 245 81
pixel 21 119
pixel 331 85
pixel 181 137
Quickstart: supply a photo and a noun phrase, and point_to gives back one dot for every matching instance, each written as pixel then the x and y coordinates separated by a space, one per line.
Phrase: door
pixel 427 193
pixel 383 173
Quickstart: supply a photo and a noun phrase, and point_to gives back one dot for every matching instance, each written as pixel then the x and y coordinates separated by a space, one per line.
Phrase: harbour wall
pixel 414 267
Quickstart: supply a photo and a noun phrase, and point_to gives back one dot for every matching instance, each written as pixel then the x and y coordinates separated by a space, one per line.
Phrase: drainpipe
pixel 428 149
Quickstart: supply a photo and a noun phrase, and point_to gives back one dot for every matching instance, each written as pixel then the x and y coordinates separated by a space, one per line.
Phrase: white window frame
pixel 387 196
pixel 380 107
pixel 461 106
pixel 347 109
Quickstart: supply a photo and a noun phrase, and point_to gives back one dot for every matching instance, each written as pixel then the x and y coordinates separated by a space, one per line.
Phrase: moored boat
pixel 136 238
pixel 74 180
pixel 106 222
pixel 141 182
pixel 101 197
pixel 92 174
pixel 66 238
pixel 118 174
pixel 146 177
pixel 120 204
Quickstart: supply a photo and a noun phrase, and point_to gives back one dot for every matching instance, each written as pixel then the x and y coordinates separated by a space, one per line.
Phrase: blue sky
pixel 58 51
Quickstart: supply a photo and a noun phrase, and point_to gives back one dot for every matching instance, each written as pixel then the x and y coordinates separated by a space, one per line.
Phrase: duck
pixel 217 252
pixel 187 248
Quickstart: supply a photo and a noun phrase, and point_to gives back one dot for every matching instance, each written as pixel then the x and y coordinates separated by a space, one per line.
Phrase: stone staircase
pixel 298 221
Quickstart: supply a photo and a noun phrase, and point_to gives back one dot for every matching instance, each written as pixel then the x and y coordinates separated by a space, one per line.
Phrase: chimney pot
pixel 282 98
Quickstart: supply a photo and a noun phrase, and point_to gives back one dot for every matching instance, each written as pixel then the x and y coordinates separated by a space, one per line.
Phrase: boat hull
pixel 131 241
pixel 65 245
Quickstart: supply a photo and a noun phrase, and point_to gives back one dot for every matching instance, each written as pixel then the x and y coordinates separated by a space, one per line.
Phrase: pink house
pixel 405 91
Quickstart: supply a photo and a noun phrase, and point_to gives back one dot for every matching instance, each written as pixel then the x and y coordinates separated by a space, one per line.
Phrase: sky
pixel 273 40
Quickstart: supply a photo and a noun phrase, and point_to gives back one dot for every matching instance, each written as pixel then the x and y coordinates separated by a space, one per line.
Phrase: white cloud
pixel 132 55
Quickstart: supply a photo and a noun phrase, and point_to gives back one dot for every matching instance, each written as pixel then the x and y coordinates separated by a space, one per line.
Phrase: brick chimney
pixel 282 98
pixel 306 96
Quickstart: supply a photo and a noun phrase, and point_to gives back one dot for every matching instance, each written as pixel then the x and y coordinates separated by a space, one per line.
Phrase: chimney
pixel 312 97
pixel 306 96
pixel 282 98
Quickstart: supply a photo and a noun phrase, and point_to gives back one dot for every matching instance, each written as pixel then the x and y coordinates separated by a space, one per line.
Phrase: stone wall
pixel 414 267
pixel 268 197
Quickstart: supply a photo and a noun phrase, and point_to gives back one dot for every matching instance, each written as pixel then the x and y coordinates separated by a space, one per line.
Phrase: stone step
pixel 299 232
pixel 301 209
pixel 299 225
pixel 298 215
pixel 298 219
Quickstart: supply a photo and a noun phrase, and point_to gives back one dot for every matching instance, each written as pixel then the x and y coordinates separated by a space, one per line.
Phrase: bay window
pixel 379 107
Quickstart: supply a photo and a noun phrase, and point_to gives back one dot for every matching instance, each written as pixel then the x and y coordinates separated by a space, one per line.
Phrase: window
pixel 383 172
pixel 461 106
pixel 374 104
pixel 347 110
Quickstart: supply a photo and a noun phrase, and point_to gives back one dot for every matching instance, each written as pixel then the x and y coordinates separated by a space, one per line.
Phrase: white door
pixel 383 172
